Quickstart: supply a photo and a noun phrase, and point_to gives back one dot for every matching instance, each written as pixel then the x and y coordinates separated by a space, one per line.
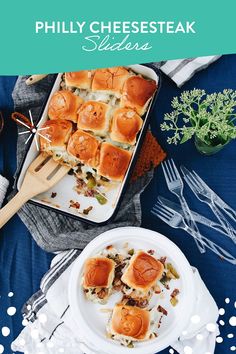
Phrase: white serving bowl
pixel 90 321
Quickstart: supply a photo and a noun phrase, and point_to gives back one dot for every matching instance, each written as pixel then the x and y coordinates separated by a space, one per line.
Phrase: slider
pixel 137 93
pixel 114 162
pixel 54 135
pixel 129 323
pixel 80 79
pixel 142 272
pixel 84 147
pixel 98 277
pixel 126 124
pixel 64 105
pixel 94 116
pixel 110 80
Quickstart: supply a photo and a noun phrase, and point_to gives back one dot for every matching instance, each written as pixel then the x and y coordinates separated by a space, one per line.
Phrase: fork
pixel 227 209
pixel 176 220
pixel 197 217
pixel 204 195
pixel 175 185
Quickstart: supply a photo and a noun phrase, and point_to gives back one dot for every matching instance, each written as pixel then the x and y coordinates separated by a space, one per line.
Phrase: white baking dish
pixel 64 192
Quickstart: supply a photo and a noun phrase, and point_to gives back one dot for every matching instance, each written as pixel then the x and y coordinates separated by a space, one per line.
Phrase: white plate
pixel 64 189
pixel 91 322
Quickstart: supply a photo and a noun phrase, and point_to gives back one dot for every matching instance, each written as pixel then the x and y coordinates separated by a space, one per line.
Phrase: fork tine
pixel 166 172
pixel 192 184
pixel 162 212
pixel 190 178
pixel 171 170
pixel 195 182
pixel 159 216
pixel 175 169
pixel 165 208
pixel 162 207
pixel 200 181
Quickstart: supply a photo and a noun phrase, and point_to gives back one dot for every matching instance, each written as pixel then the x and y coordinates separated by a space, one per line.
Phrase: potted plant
pixel 209 118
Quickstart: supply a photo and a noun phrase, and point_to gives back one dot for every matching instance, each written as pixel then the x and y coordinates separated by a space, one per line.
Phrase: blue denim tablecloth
pixel 22 263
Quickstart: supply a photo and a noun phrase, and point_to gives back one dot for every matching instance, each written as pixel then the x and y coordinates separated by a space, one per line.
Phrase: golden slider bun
pixel 137 92
pixel 84 147
pixel 143 271
pixel 114 162
pixel 130 321
pixel 98 272
pixel 80 79
pixel 94 116
pixel 55 134
pixel 126 124
pixel 110 80
pixel 64 105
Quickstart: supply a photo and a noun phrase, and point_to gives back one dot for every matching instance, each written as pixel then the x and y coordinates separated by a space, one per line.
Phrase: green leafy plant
pixel 211 118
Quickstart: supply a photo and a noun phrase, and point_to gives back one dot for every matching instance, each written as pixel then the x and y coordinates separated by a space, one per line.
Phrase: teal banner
pixel 53 36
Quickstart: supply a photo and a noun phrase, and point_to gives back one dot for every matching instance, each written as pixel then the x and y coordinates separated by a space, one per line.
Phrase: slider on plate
pixel 97 279
pixel 137 93
pixel 142 272
pixel 54 135
pixel 110 80
pixel 84 147
pixel 126 124
pixel 64 105
pixel 129 323
pixel 94 116
pixel 80 79
pixel 114 162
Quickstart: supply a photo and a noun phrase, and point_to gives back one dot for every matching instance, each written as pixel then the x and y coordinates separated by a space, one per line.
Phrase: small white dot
pixel 221 322
pixel 227 300
pixel 11 311
pixel 232 321
pixel 184 333
pixel 233 348
pixel 10 294
pixel 33 130
pixel 211 327
pixel 171 351
pixel 42 318
pixel 235 304
pixel 5 331
pixel 219 340
pixel 28 307
pixel 188 350
pixel 21 342
pixel 1 348
pixel 230 335
pixel 34 333
pixel 25 322
pixel 221 312
pixel 195 319
pixel 199 337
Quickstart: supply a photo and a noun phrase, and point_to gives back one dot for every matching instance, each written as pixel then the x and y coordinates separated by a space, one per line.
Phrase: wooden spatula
pixel 41 175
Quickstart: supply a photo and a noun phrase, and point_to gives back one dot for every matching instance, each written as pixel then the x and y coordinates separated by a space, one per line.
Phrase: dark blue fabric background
pixel 22 263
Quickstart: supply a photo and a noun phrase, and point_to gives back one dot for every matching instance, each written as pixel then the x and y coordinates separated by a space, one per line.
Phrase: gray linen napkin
pixel 53 231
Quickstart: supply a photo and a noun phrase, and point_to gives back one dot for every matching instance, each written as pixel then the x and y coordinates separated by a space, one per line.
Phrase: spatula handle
pixel 12 207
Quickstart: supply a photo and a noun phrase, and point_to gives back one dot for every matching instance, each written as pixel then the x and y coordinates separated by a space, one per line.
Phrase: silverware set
pixel 180 215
